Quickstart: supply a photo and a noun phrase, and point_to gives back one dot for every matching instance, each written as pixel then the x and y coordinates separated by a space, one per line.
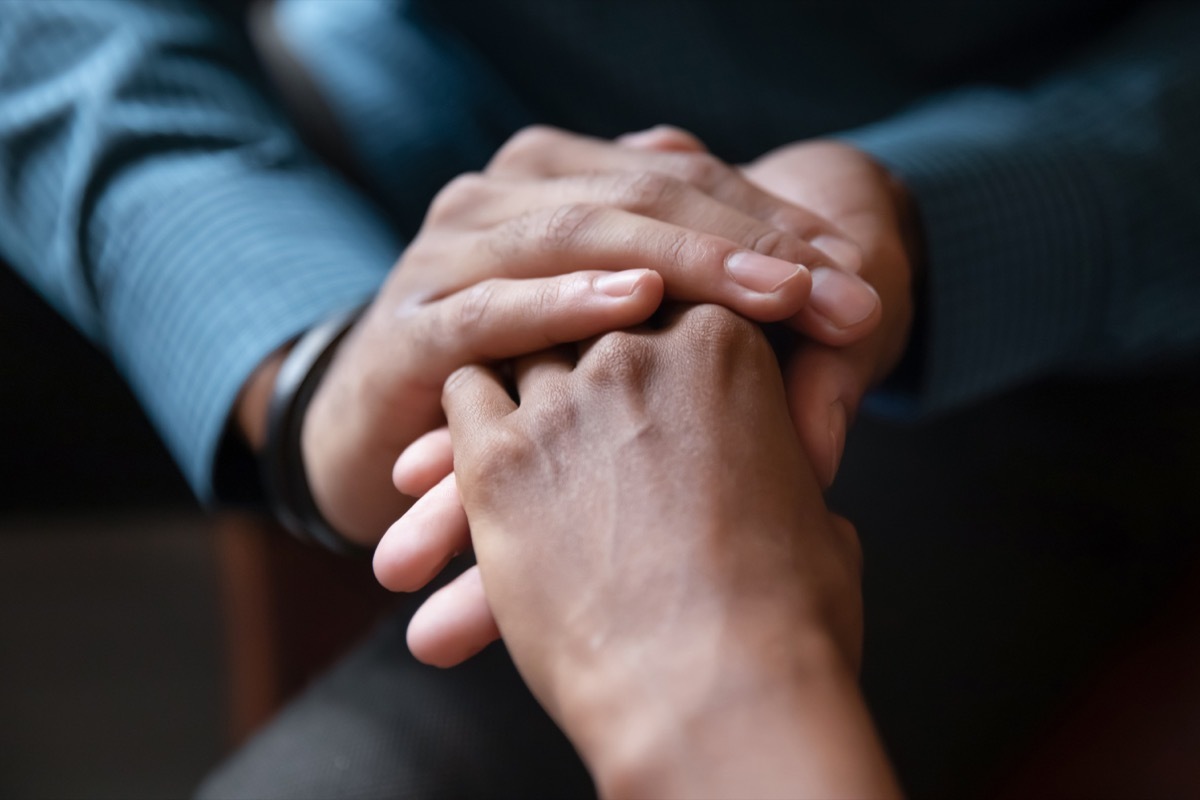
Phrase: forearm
pixel 1058 217
pixel 166 208
pixel 788 722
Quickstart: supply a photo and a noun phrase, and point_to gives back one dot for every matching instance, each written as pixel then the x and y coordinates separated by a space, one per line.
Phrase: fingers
pixel 423 463
pixel 473 398
pixel 538 375
pixel 475 203
pixel 454 624
pixel 503 318
pixel 824 388
pixel 543 152
pixel 416 547
pixel 842 308
pixel 419 544
pixel 696 266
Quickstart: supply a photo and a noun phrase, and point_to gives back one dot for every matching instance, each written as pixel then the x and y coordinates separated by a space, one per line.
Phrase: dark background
pixel 111 650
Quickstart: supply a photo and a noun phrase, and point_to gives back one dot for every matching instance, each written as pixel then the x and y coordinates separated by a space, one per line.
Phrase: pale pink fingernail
pixel 640 138
pixel 845 254
pixel 843 299
pixel 760 273
pixel 619 284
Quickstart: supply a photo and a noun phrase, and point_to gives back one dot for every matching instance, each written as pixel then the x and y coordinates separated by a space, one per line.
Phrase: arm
pixel 1059 219
pixel 655 548
pixel 825 382
pixel 194 238
pixel 156 197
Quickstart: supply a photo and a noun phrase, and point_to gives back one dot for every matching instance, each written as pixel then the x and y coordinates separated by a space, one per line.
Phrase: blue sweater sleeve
pixel 1062 219
pixel 151 193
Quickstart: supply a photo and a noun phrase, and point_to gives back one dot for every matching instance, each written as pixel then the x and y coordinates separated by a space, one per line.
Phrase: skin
pixel 488 278
pixel 661 564
pixel 825 383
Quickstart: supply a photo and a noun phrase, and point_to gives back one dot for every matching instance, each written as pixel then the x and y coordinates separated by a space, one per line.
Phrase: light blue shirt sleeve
pixel 155 196
pixel 1062 220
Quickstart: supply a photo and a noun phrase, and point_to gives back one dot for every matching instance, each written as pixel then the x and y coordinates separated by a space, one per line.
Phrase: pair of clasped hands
pixel 641 485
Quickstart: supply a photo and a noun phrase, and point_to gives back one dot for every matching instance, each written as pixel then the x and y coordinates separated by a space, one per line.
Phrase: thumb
pixel 824 389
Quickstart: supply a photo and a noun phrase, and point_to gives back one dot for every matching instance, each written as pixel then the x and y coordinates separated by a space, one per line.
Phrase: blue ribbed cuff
pixel 206 265
pixel 1017 249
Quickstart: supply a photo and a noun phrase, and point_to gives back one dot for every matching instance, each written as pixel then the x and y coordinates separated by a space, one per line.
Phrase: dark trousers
pixel 1006 547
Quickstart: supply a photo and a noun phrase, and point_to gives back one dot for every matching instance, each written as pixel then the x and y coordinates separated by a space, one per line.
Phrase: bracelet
pixel 282 460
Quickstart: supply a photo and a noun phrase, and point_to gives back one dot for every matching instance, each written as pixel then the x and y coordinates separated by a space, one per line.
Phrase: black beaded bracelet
pixel 282 460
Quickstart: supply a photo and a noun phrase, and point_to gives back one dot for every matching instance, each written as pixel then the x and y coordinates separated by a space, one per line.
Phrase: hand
pixel 650 535
pixel 839 200
pixel 825 384
pixel 439 308
pixel 663 168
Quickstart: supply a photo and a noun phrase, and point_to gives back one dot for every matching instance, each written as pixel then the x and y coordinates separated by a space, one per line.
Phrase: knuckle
pixel 546 297
pixel 513 240
pixel 716 329
pixel 618 358
pixel 674 136
pixel 565 224
pixel 701 170
pixel 503 446
pixel 644 191
pixel 793 220
pixel 778 244
pixel 677 248
pixel 458 195
pixel 474 305
pixel 425 331
pixel 526 145
pixel 503 451
pixel 552 418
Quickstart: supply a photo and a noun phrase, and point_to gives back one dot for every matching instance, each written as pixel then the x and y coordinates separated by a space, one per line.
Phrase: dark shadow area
pixel 73 435
pixel 111 664
pixel 1011 552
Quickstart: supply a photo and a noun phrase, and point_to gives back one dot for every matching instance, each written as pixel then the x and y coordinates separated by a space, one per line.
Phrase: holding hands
pixel 522 257
pixel 825 381
pixel 661 563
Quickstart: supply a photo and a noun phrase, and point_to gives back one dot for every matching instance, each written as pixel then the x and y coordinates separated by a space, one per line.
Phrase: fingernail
pixel 650 138
pixel 639 138
pixel 760 273
pixel 845 254
pixel 837 439
pixel 842 299
pixel 619 284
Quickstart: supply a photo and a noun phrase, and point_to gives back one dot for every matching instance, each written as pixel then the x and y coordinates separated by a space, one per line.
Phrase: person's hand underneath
pixel 848 188
pixel 442 306
pixel 873 213
pixel 661 564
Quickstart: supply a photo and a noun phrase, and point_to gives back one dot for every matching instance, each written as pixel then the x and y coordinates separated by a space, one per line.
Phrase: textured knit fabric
pixel 150 189
pixel 154 196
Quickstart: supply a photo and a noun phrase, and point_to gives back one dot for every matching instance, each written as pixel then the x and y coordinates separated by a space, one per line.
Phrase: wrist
pixel 281 457
pixel 348 446
pixel 715 720
pixel 250 411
